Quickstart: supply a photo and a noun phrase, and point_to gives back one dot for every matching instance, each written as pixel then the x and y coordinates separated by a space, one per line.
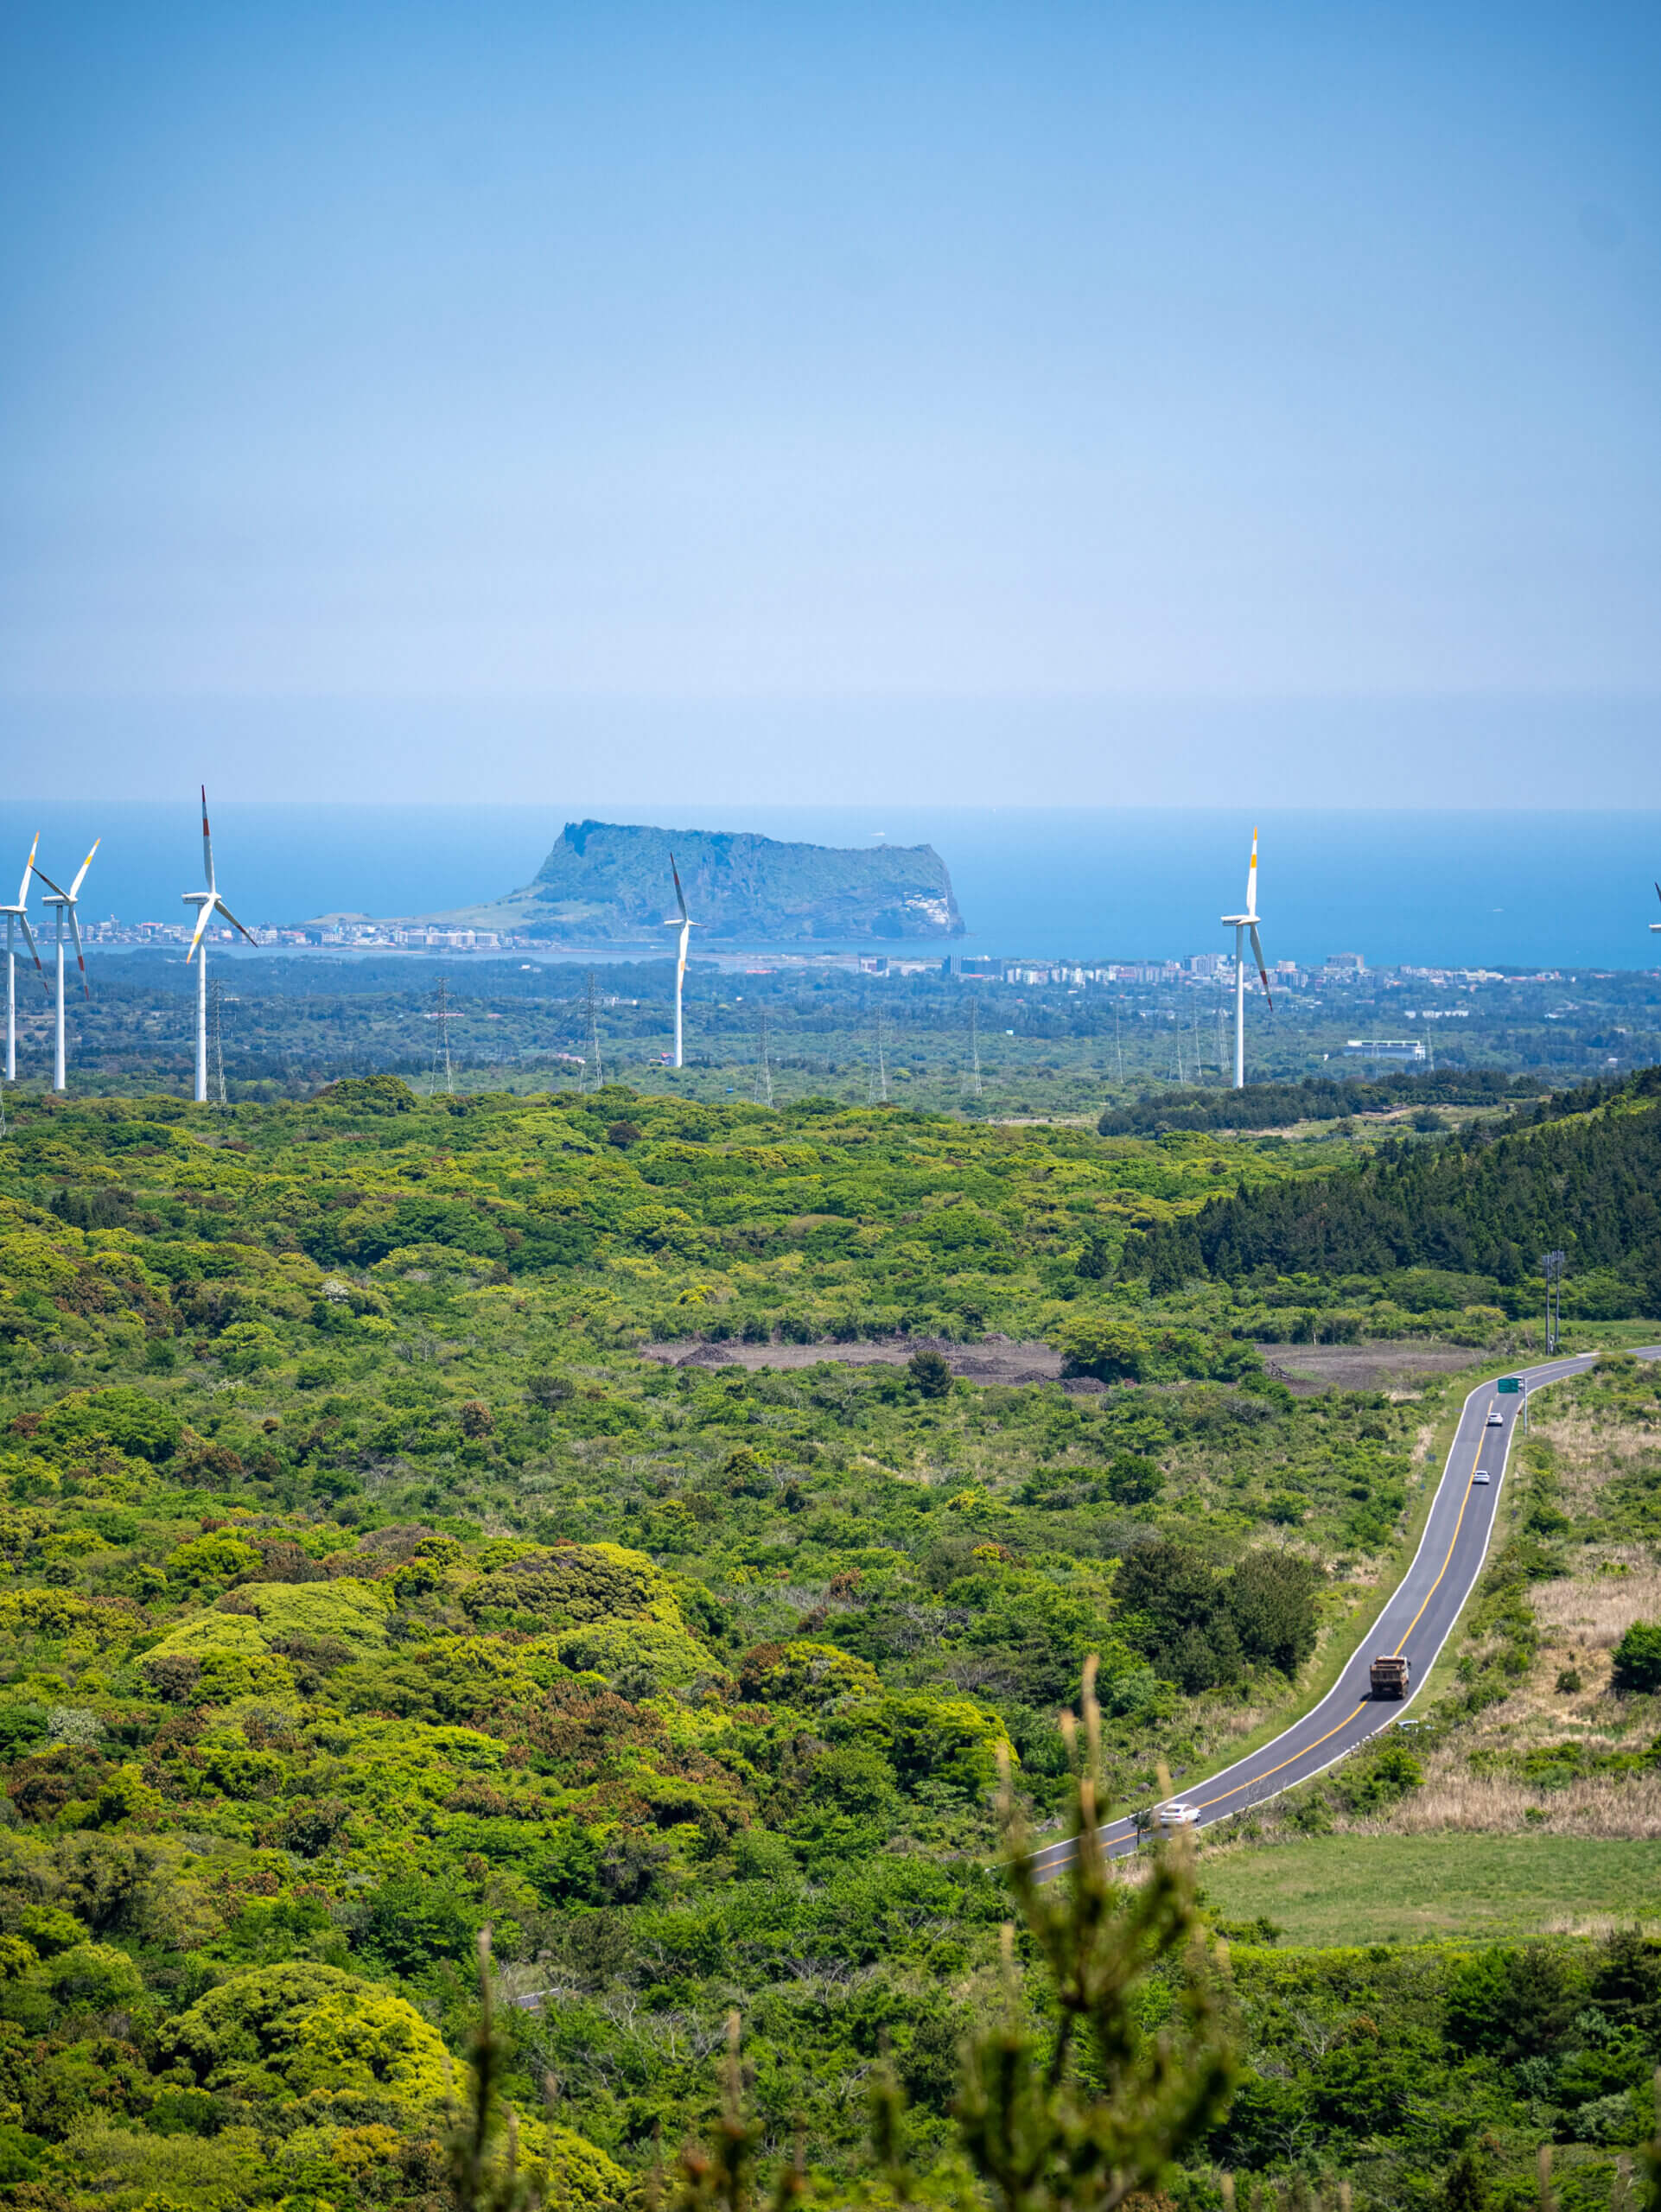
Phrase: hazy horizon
pixel 1040 882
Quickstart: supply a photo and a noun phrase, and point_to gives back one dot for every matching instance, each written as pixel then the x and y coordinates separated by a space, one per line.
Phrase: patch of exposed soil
pixel 993 1359
pixel 1313 1367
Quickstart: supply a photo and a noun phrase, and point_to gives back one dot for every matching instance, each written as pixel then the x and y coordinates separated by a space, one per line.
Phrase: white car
pixel 1177 1814
pixel 1480 1475
pixel 1496 1421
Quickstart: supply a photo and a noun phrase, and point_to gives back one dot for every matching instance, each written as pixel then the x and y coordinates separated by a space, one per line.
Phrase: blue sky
pixel 602 405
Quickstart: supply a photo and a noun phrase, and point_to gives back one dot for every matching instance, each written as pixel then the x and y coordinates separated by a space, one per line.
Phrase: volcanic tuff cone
pixel 607 883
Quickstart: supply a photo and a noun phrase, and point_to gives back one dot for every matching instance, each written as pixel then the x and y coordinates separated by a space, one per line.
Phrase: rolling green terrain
pixel 368 1584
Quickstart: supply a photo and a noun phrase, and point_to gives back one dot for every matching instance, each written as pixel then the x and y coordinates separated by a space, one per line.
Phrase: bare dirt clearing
pixel 1364 1367
pixel 993 1359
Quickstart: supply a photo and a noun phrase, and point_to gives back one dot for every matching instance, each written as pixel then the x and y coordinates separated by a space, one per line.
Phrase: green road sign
pixel 1509 1383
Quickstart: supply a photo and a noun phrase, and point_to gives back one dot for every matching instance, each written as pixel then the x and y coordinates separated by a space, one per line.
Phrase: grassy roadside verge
pixel 1405 1889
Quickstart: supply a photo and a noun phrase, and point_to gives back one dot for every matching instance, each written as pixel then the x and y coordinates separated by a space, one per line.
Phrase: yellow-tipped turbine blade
pixel 74 888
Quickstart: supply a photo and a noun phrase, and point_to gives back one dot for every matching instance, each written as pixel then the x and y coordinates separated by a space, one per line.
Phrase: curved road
pixel 1415 1622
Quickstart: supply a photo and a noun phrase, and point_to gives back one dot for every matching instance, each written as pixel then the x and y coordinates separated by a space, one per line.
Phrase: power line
pixel 1553 1265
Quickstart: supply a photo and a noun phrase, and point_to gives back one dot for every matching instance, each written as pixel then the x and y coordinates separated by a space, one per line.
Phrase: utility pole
pixel 1119 1048
pixel 216 1043
pixel 974 1049
pixel 441 1044
pixel 1552 1265
pixel 763 1067
pixel 876 1091
pixel 593 1074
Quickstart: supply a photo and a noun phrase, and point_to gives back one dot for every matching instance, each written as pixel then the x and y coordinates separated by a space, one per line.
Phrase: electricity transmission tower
pixel 763 1067
pixel 594 1075
pixel 1552 1266
pixel 441 1043
pixel 216 1042
pixel 876 1091
pixel 1119 1048
pixel 974 1049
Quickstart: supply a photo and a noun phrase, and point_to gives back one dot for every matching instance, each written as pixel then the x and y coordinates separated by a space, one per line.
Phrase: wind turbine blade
pixel 29 939
pixel 49 884
pixel 202 913
pixel 28 870
pixel 208 843
pixel 1257 954
pixel 234 923
pixel 680 896
pixel 1252 877
pixel 80 958
pixel 74 888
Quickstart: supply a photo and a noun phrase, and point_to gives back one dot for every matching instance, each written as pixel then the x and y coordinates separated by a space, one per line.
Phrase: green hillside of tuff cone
pixel 366 1585
pixel 606 882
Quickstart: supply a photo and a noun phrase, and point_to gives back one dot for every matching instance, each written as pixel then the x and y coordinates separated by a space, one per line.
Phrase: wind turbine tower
pixel 65 902
pixel 685 925
pixel 205 902
pixel 17 918
pixel 1241 925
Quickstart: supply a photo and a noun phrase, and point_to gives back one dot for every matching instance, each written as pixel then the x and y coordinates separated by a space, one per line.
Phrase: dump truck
pixel 1390 1676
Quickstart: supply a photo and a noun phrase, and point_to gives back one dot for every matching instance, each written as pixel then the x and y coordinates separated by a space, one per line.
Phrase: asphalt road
pixel 1415 1622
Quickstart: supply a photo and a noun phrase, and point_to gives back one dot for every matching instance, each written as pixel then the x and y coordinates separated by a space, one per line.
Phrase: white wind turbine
pixel 685 925
pixel 65 902
pixel 1657 925
pixel 1241 924
pixel 17 918
pixel 205 901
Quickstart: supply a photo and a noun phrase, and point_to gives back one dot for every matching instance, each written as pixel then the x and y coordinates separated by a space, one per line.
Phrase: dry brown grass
pixel 1596 1611
pixel 1453 1799
pixel 1589 1451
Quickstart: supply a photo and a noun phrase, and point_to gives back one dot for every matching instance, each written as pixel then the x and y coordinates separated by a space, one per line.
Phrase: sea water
pixel 1502 889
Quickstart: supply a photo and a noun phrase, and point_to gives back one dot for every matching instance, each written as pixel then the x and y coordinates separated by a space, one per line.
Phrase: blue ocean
pixel 1469 889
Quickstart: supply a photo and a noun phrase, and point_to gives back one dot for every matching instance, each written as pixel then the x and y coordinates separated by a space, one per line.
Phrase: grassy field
pixel 1375 1889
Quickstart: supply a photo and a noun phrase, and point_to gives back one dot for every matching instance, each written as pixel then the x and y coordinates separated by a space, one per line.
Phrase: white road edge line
pixel 1553 1371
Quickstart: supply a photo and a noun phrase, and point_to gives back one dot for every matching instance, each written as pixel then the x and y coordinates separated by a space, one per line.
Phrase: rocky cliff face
pixel 609 883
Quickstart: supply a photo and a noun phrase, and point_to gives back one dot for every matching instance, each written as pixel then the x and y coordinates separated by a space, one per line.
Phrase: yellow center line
pixel 1449 1561
pixel 1348 1717
pixel 1252 1783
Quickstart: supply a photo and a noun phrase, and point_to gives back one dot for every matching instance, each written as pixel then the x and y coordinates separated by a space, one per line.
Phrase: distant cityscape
pixel 1337 968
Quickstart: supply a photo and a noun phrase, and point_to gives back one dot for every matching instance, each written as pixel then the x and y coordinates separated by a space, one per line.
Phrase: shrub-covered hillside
pixel 366 1585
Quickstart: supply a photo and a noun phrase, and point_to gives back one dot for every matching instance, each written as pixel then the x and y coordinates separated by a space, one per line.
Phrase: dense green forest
pixel 1317 1099
pixel 369 1585
pixel 1587 1182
